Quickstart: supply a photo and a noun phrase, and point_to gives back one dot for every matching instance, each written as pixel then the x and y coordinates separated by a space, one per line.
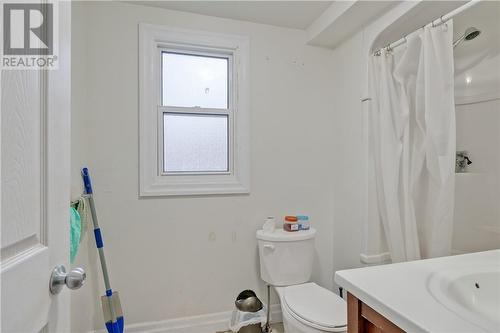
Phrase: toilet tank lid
pixel 285 236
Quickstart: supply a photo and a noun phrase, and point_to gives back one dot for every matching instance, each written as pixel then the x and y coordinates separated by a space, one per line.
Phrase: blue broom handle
pixel 86 181
pixel 97 231
pixel 98 240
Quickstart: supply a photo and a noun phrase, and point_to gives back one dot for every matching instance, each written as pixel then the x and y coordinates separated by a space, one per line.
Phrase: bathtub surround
pixel 477 96
pixel 477 212
pixel 199 251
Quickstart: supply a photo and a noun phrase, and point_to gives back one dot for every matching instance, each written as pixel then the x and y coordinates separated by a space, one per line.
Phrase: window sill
pixel 161 187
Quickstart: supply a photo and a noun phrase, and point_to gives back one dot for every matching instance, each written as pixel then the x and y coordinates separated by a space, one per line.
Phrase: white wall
pixel 175 257
pixel 349 149
pixel 477 210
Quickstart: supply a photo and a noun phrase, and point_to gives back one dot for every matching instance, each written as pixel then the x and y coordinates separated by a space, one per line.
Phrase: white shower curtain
pixel 412 143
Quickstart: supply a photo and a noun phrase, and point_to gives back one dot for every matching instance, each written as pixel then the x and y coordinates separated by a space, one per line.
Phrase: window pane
pixel 190 80
pixel 195 142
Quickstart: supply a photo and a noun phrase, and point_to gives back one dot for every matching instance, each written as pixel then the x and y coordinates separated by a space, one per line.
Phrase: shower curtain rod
pixel 435 23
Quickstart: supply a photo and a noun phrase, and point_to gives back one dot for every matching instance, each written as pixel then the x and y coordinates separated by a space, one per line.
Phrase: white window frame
pixel 229 111
pixel 153 181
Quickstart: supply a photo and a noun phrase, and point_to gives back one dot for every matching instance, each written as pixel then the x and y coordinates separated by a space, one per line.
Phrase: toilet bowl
pixel 309 308
pixel 286 263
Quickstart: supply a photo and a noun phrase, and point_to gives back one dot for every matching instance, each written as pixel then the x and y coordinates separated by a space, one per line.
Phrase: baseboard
pixel 209 323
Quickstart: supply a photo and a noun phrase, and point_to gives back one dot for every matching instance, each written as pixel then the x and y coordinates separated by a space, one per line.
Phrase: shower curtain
pixel 412 143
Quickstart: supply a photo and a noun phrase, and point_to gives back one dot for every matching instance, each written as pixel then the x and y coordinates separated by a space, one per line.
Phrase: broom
pixel 111 307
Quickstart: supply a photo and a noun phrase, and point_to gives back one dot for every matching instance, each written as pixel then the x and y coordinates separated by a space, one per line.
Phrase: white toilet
pixel 286 260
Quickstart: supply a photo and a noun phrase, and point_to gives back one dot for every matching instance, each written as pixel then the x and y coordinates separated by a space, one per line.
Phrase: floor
pixel 276 328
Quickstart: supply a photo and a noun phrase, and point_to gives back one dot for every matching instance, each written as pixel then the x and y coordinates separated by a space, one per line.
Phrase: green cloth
pixel 74 233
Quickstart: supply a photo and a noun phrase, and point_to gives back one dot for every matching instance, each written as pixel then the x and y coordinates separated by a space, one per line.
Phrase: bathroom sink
pixel 471 292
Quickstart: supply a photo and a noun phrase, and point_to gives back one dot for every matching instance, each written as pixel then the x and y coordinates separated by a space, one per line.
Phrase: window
pixel 196 111
pixel 193 112
pixel 195 142
pixel 195 80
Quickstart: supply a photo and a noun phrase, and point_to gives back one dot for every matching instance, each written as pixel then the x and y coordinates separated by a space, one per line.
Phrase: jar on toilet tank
pixel 303 221
pixel 291 223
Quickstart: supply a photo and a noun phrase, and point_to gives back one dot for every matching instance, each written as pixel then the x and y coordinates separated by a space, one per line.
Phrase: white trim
pixel 375 259
pixel 478 98
pixel 209 323
pixel 151 181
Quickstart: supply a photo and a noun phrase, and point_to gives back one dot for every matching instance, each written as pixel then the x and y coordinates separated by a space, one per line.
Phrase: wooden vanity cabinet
pixel 363 319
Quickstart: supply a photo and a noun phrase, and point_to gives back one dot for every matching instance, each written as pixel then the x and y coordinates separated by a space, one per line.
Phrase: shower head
pixel 470 34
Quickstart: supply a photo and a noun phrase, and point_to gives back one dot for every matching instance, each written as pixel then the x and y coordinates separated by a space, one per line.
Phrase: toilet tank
pixel 286 258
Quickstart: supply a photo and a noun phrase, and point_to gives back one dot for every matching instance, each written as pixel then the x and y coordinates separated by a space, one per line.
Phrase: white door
pixel 35 161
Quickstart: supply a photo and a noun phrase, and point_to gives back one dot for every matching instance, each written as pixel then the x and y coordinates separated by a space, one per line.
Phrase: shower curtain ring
pixel 443 23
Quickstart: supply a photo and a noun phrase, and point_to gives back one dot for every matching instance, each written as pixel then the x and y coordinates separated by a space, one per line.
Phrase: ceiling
pixel 289 14
pixel 328 23
pixel 423 13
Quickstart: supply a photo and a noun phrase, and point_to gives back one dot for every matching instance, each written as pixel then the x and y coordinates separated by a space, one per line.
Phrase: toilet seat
pixel 316 307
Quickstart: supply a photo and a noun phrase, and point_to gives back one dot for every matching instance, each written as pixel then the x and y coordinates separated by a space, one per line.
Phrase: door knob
pixel 73 280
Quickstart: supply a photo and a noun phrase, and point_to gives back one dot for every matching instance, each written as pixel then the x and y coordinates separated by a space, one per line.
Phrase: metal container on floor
pixel 247 301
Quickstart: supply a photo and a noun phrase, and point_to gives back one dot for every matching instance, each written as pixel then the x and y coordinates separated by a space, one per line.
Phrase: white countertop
pixel 400 292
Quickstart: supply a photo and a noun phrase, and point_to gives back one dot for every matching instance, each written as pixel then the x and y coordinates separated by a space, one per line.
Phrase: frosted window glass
pixel 195 142
pixel 191 80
